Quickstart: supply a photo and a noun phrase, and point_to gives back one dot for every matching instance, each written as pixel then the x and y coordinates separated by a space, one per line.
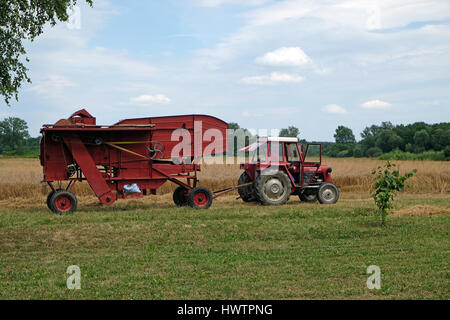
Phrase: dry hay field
pixel 20 179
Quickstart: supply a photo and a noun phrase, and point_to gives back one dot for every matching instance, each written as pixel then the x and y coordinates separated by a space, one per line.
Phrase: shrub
pixel 388 181
pixel 374 152
pixel 358 151
pixel 447 152
pixel 427 155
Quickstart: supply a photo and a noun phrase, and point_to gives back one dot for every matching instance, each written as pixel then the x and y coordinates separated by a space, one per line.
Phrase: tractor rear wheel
pixel 308 195
pixel 180 196
pixel 63 202
pixel 246 193
pixel 50 196
pixel 328 193
pixel 200 198
pixel 273 189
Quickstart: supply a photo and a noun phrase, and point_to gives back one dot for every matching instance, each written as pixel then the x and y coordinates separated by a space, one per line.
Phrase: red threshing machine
pixel 130 158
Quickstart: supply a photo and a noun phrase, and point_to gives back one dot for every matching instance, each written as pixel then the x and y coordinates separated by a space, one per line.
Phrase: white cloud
pixel 334 109
pixel 300 20
pixel 360 14
pixel 376 104
pixel 51 83
pixel 149 99
pixel 273 78
pixel 218 3
pixel 286 56
pixel 94 60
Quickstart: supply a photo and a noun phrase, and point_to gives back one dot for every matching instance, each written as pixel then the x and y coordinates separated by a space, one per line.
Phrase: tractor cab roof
pixel 262 140
pixel 282 139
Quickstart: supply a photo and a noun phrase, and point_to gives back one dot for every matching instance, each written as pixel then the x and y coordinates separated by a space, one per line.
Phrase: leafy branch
pixel 24 20
pixel 388 181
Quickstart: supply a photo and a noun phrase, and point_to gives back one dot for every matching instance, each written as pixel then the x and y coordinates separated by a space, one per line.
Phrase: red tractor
pixel 279 169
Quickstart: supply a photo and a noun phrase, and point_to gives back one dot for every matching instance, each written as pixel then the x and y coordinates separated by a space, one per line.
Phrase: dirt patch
pixel 421 211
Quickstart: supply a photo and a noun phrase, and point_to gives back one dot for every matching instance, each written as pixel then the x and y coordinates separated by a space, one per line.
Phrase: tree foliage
pixel 344 135
pixel 409 140
pixel 233 126
pixel 388 181
pixel 24 20
pixel 291 131
pixel 13 133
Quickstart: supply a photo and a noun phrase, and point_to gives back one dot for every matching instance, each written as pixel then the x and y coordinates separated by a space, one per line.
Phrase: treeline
pixel 417 141
pixel 15 139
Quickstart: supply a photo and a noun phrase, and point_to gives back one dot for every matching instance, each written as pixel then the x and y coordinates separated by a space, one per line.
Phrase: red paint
pixel 97 155
pixel 201 199
pixel 300 173
pixel 63 203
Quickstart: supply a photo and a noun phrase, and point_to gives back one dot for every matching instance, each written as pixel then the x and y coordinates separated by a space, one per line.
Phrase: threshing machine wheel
pixel 272 188
pixel 180 196
pixel 63 202
pixel 50 196
pixel 328 193
pixel 246 193
pixel 200 198
pixel 308 195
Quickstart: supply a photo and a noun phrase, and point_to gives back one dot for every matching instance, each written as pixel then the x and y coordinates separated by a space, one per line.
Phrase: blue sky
pixel 265 64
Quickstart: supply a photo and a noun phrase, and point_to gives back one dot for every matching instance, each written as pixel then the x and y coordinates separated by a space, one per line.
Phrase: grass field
pixel 148 249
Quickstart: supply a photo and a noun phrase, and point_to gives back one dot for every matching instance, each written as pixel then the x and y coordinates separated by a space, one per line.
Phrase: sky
pixel 265 64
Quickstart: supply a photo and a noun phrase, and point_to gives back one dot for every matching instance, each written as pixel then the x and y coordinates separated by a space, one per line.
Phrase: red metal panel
pixel 89 168
pixel 109 157
pixel 165 126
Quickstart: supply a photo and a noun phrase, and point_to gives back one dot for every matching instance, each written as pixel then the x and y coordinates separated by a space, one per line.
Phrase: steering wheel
pixel 156 150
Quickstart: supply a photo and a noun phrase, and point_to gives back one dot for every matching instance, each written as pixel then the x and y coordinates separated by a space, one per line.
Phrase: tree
pixel 421 139
pixel 358 151
pixel 447 152
pixel 374 130
pixel 344 135
pixel 13 132
pixel 237 138
pixel 24 20
pixel 291 131
pixel 233 126
pixel 387 182
pixel 388 140
pixel 374 152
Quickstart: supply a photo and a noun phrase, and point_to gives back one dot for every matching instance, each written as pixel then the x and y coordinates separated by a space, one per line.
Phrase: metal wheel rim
pixel 63 203
pixel 328 194
pixel 274 189
pixel 201 199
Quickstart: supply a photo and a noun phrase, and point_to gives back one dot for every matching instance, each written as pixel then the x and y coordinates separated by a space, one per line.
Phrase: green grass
pixel 232 251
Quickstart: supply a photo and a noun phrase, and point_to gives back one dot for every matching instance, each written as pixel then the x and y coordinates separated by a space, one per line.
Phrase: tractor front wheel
pixel 180 196
pixel 62 202
pixel 273 189
pixel 328 193
pixel 200 198
pixel 308 195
